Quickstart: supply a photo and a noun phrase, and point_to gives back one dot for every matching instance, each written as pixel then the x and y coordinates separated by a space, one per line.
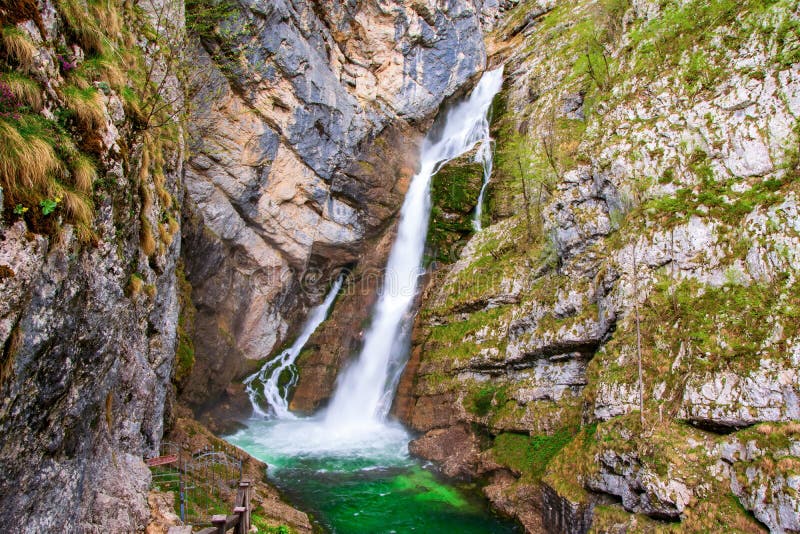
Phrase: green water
pixel 365 483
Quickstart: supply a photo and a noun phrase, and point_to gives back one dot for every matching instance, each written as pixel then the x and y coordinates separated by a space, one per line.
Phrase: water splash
pixel 266 385
pixel 364 391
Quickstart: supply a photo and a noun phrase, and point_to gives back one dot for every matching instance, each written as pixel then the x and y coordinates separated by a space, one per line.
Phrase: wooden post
pixel 239 512
pixel 219 521
pixel 245 489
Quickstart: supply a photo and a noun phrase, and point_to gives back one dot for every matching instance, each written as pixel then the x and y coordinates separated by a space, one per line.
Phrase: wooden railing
pixel 240 519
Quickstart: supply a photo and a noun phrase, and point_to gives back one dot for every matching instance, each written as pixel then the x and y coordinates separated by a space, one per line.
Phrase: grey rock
pixel 562 516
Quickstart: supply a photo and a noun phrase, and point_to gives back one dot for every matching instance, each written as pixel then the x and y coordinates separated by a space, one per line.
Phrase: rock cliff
pixel 89 242
pixel 174 199
pixel 643 216
pixel 616 351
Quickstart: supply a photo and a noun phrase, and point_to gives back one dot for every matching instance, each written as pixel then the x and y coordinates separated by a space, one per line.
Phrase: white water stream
pixel 364 391
pixel 485 153
pixel 275 394
pixel 355 421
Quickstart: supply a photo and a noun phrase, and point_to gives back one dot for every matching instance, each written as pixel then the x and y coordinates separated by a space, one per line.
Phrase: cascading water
pixel 274 393
pixel 485 153
pixel 360 394
pixel 349 464
pixel 484 156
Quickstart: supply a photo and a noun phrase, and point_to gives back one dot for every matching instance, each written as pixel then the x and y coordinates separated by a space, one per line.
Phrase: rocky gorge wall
pixel 89 242
pixel 174 201
pixel 643 212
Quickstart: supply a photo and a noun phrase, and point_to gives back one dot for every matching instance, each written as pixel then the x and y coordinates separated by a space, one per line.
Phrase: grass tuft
pixel 17 47
pixel 83 27
pixel 26 162
pixel 84 173
pixel 135 285
pixel 25 90
pixel 146 239
pixel 87 105
pixel 78 207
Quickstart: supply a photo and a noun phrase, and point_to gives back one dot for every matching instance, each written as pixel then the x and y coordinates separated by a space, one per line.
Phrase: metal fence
pixel 204 483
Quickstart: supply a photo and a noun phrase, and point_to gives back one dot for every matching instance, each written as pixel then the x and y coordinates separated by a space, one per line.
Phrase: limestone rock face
pixel 638 216
pixel 88 328
pixel 765 477
pixel 304 138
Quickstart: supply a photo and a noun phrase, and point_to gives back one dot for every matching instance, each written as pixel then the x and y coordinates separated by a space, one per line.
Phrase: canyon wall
pixel 89 305
pixel 173 201
pixel 643 214
pixel 304 137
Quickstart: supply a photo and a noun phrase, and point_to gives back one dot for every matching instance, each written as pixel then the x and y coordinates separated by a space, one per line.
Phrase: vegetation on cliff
pixel 644 209
pixel 58 120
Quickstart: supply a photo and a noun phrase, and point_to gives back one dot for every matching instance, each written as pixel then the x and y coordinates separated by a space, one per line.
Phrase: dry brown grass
pixel 26 162
pixel 84 173
pixel 135 285
pixel 25 90
pixel 174 227
pixel 100 69
pixel 164 196
pixel 87 104
pixel 144 167
pixel 788 463
pixel 18 47
pixel 164 234
pixel 792 428
pixel 114 76
pixel 765 429
pixel 83 26
pixel 78 208
pixel 146 239
pixel 147 197
pixel 105 12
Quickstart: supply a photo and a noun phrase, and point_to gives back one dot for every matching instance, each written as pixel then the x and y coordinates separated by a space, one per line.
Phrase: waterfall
pixel 485 153
pixel 274 393
pixel 484 156
pixel 364 390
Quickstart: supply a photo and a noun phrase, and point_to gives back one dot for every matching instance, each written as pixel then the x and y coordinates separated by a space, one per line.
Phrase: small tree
pixel 638 332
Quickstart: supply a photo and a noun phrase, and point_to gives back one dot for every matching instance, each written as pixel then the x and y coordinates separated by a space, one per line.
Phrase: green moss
pixel 455 340
pixel 185 354
pixel 265 525
pixel 456 186
pixel 529 455
pixel 716 198
pixel 454 193
pixel 482 400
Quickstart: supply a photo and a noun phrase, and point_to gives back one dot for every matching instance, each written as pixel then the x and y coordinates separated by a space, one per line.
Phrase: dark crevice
pixel 716 427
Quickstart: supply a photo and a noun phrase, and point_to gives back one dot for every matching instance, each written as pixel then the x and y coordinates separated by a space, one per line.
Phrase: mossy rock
pixel 454 194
